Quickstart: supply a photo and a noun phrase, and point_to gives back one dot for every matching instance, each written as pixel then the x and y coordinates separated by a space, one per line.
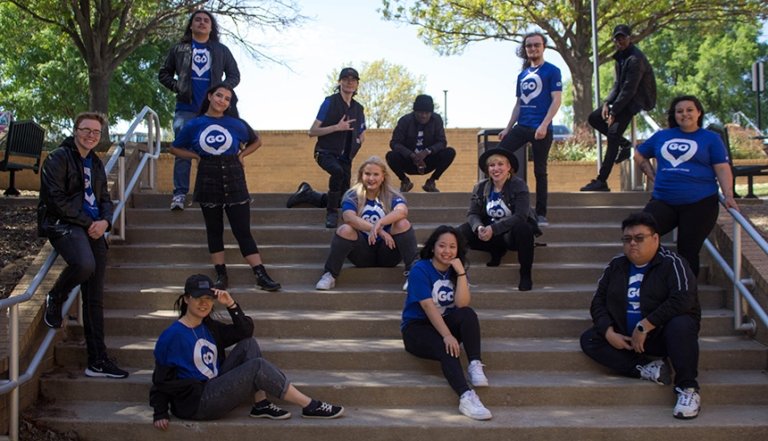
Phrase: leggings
pixel 239 219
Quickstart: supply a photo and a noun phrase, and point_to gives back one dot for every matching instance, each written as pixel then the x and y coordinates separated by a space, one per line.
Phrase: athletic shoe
pixel 542 221
pixel 430 186
pixel 656 371
pixel 406 186
pixel 326 282
pixel 52 317
pixel 323 411
pixel 470 405
pixel 405 285
pixel 269 411
pixel 177 203
pixel 624 154
pixel 688 403
pixel 476 375
pixel 105 368
pixel 595 185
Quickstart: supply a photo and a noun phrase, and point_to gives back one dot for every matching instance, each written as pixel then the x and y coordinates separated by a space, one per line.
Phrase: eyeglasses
pixel 638 238
pixel 532 45
pixel 90 132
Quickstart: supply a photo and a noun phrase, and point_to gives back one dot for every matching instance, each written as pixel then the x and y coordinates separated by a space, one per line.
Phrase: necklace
pixel 443 274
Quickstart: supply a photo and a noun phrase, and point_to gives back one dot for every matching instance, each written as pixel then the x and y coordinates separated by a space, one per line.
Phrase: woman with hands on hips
pixel 437 317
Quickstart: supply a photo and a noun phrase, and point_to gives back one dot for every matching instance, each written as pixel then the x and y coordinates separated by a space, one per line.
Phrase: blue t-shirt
pixel 634 315
pixel 209 136
pixel 684 171
pixel 534 90
pixel 496 208
pixel 192 351
pixel 200 77
pixel 425 282
pixel 89 199
pixel 373 210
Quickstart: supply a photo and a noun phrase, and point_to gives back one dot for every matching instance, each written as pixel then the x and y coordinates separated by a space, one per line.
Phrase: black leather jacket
pixel 178 63
pixel 634 86
pixel 515 195
pixel 62 187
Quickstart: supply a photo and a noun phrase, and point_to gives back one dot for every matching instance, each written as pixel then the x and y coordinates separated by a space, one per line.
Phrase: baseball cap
pixel 621 29
pixel 348 72
pixel 199 285
pixel 423 103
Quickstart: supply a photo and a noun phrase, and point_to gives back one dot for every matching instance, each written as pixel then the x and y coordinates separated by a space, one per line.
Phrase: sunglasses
pixel 637 238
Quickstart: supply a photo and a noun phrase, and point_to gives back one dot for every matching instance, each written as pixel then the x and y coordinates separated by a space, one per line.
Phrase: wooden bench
pixel 750 171
pixel 23 147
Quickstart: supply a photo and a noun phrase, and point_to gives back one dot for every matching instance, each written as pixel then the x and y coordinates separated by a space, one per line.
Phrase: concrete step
pixel 337 354
pixel 367 296
pixel 133 421
pixel 415 388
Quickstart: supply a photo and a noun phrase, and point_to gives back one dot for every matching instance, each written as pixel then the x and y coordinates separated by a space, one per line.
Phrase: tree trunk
pixel 98 101
pixel 581 76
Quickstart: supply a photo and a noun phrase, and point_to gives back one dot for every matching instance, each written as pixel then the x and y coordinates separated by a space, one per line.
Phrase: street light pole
pixel 445 107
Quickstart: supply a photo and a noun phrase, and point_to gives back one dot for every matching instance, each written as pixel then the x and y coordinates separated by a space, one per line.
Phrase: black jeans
pixel 614 135
pixel 518 137
pixel 437 162
pixel 86 266
pixel 519 238
pixel 239 219
pixel 339 168
pixel 678 339
pixel 422 340
pixel 364 255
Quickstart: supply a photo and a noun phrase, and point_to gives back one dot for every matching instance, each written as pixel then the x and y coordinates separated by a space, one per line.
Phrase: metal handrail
pixel 12 303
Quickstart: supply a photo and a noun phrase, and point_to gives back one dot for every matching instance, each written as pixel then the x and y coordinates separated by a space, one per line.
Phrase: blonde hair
pixel 493 157
pixel 386 191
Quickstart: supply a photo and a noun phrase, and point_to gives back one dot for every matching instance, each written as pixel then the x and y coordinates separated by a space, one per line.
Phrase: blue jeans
pixel 181 166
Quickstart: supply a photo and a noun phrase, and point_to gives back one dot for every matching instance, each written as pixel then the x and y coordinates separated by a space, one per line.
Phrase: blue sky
pixel 480 81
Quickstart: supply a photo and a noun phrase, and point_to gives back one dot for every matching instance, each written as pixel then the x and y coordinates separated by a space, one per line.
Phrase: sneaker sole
pixel 94 374
pixel 329 417
pixel 681 416
pixel 276 288
pixel 45 320
pixel 480 384
pixel 272 417
pixel 476 417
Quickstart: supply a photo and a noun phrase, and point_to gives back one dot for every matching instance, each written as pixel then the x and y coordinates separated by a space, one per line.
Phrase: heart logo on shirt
pixel 530 87
pixel 215 139
pixel 678 150
pixel 201 61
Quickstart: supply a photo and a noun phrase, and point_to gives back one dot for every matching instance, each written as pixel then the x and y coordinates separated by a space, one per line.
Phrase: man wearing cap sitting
pixel 634 89
pixel 419 146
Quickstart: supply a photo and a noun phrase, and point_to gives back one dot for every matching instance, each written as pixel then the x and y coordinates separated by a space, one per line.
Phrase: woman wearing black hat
pixel 196 381
pixel 500 217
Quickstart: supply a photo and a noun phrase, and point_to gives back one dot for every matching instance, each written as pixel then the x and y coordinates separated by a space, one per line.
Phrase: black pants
pixel 519 238
pixel 518 137
pixel 340 170
pixel 239 219
pixel 422 340
pixel 614 135
pixel 694 222
pixel 678 340
pixel 364 255
pixel 437 162
pixel 86 266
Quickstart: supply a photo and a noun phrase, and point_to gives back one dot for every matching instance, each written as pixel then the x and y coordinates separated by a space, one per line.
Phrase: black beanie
pixel 423 103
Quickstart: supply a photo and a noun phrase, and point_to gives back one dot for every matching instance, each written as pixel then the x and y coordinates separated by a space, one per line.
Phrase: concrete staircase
pixel 344 345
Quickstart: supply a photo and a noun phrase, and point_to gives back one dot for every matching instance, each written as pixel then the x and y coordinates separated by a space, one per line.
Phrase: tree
pixel 386 91
pixel 105 33
pixel 450 25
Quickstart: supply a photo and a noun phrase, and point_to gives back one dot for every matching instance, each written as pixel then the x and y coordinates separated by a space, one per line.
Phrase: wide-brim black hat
pixel 482 162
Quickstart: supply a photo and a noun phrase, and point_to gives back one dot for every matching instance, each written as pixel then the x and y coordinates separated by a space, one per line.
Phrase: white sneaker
pixel 470 405
pixel 326 282
pixel 476 375
pixel 405 285
pixel 656 371
pixel 177 203
pixel 688 403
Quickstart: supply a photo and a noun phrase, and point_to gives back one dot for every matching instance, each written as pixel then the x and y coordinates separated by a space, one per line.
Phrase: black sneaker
pixel 323 411
pixel 623 155
pixel 52 317
pixel 105 368
pixel 595 185
pixel 270 411
pixel 406 186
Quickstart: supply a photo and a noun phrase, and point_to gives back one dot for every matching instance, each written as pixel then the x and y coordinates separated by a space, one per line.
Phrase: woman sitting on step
pixel 197 381
pixel 375 232
pixel 437 317
pixel 500 216
pixel 219 140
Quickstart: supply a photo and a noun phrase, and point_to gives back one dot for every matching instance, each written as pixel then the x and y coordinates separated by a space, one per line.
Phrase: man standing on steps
pixel 647 304
pixel 539 91
pixel 634 89
pixel 193 65
pixel 74 213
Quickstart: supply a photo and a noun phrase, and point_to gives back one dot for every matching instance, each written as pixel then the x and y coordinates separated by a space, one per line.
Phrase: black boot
pixel 222 281
pixel 332 214
pixel 263 280
pixel 526 283
pixel 306 195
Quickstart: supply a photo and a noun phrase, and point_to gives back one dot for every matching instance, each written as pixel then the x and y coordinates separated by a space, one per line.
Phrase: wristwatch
pixel 639 326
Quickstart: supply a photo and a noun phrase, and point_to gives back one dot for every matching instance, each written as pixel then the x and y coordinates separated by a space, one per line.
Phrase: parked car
pixel 560 132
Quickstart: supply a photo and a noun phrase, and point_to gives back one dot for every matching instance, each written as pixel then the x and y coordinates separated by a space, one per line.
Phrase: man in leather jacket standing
pixel 75 211
pixel 193 65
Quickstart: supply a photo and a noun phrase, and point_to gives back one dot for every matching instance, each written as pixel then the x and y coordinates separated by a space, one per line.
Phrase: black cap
pixel 199 285
pixel 621 29
pixel 483 161
pixel 423 103
pixel 348 72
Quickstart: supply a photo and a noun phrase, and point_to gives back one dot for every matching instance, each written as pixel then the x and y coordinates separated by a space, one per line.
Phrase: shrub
pixel 579 147
pixel 743 144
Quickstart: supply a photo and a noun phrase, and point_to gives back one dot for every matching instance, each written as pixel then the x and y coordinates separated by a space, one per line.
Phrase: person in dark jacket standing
pixel 196 380
pixel 340 131
pixel 419 146
pixel 75 211
pixel 647 304
pixel 634 89
pixel 193 65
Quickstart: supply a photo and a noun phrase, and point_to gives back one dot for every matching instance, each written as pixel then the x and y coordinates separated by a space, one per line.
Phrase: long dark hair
pixel 214 35
pixel 521 50
pixel 672 122
pixel 428 251
pixel 231 111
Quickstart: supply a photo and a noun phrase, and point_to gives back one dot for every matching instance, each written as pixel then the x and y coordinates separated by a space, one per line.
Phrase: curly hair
pixel 386 191
pixel 521 50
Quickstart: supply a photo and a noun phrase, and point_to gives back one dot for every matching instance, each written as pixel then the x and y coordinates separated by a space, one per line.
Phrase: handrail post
pixel 13 372
pixel 737 314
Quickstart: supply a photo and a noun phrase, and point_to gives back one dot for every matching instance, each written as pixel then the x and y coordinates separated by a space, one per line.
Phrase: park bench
pixel 748 171
pixel 23 147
